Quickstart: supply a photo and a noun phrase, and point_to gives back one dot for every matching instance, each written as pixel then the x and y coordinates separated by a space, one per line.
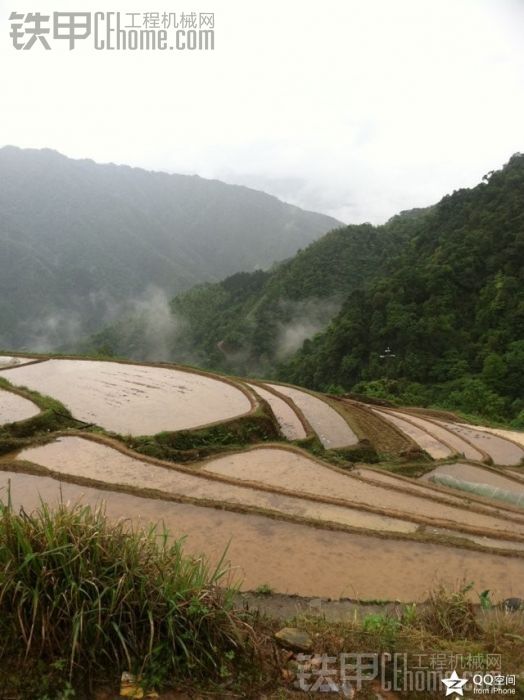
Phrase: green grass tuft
pixel 96 598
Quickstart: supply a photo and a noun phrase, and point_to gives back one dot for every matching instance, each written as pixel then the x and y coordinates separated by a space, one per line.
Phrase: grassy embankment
pixel 83 599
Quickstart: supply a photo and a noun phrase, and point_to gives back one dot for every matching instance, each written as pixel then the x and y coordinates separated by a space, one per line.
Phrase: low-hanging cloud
pixel 306 319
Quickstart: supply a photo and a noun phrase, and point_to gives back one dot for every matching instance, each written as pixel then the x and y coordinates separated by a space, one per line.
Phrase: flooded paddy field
pixel 133 399
pixel 447 494
pixel 80 457
pixel 477 475
pixel 456 442
pixel 10 361
pixel 501 451
pixel 512 435
pixel 435 448
pixel 15 408
pixel 331 428
pixel 289 422
pixel 294 558
pixel 291 471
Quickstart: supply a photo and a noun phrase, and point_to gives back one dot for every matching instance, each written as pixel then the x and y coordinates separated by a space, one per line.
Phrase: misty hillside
pixel 450 308
pixel 443 287
pixel 81 242
pixel 249 322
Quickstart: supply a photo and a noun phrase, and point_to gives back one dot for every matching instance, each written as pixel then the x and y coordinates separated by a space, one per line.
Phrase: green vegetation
pixel 82 244
pixel 249 322
pixel 190 445
pixel 84 599
pixel 54 416
pixel 442 287
pixel 450 306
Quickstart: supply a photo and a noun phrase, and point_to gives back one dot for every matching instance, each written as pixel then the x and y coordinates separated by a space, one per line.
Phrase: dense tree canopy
pixel 442 287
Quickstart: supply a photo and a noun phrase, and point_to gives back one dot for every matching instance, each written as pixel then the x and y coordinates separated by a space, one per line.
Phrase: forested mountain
pixel 250 322
pixel 442 287
pixel 79 241
pixel 450 308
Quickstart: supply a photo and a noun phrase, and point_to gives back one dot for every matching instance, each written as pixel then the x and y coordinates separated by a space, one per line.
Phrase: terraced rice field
pixel 512 435
pixel 423 438
pixel 9 361
pixel 501 451
pixel 15 408
pixel 82 458
pixel 290 424
pixel 133 399
pixel 457 443
pixel 295 558
pixel 293 472
pixel 332 430
pixel 292 521
pixel 477 475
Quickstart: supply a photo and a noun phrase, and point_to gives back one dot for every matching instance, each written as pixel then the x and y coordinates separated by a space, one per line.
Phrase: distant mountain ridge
pixel 79 239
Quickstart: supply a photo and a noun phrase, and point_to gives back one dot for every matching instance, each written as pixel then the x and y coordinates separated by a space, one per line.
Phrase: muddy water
pixel 331 428
pixel 77 456
pixel 452 439
pixel 514 435
pixel 469 472
pixel 295 558
pixel 431 445
pixel 14 408
pixel 501 451
pixel 7 361
pixel 297 473
pixel 132 399
pixel 289 422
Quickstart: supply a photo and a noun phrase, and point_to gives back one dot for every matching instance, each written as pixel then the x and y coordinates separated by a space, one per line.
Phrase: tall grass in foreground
pixel 78 589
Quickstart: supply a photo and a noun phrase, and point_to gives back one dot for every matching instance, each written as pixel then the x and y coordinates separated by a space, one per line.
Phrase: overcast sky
pixel 357 108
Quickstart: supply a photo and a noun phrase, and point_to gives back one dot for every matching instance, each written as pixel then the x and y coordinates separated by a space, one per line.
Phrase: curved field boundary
pixel 459 444
pixel 498 447
pixel 519 476
pixel 300 396
pixel 294 558
pixel 440 493
pixel 30 361
pixel 261 389
pixel 349 490
pixel 16 408
pixel 436 448
pixel 437 533
pixel 12 361
pixel 477 475
pixel 514 436
pixel 179 484
pixel 495 533
pixel 385 437
pixel 138 397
